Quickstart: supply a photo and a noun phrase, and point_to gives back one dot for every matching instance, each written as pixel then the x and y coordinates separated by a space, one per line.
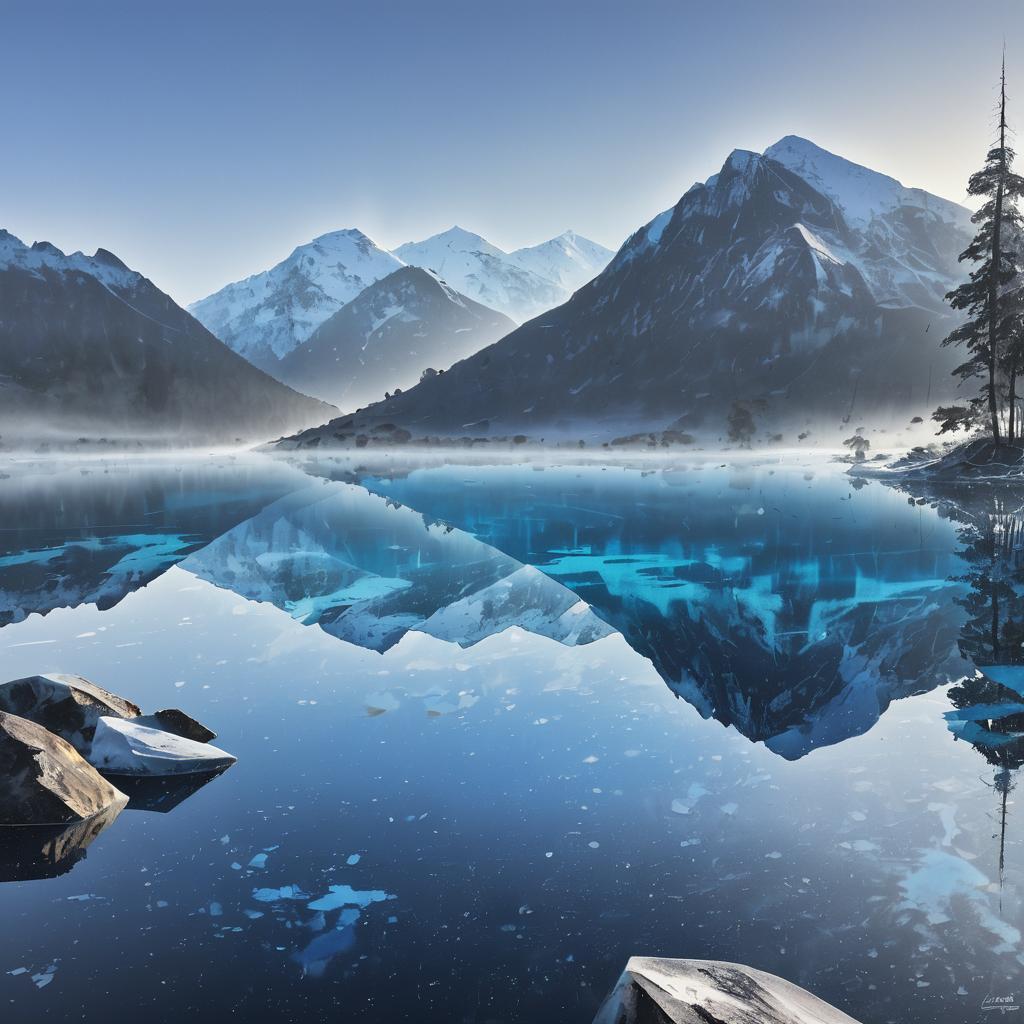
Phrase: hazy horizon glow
pixel 202 143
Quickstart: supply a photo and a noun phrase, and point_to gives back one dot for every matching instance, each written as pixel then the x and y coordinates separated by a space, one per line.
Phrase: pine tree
pixel 1013 357
pixel 985 333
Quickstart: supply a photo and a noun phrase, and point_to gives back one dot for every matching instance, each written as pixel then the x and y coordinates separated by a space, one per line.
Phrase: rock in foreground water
pixel 45 780
pixel 173 720
pixel 69 706
pixel 653 990
pixel 123 747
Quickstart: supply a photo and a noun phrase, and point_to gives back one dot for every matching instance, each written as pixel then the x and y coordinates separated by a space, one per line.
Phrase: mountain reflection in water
pixel 540 717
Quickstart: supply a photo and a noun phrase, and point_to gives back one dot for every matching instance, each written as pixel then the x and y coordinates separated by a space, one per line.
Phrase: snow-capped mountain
pixel 388 336
pixel 521 284
pixel 570 260
pixel 90 347
pixel 792 282
pixel 267 315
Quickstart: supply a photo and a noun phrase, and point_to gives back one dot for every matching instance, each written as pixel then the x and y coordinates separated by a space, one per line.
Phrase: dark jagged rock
pixel 68 706
pixel 653 990
pixel 174 721
pixel 46 781
pixel 110 732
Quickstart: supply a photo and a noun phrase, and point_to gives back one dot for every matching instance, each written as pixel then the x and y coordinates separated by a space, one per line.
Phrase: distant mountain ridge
pixel 570 260
pixel 268 315
pixel 93 348
pixel 520 284
pixel 386 337
pixel 793 282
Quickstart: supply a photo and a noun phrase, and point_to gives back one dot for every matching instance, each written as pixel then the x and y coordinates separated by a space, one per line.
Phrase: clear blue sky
pixel 202 141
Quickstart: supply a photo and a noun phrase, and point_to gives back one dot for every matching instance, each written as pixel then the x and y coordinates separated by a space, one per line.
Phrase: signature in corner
pixel 1004 1004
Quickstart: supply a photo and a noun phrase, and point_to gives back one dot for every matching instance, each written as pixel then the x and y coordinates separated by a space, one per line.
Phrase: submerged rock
pixel 653 990
pixel 68 706
pixel 123 747
pixel 45 780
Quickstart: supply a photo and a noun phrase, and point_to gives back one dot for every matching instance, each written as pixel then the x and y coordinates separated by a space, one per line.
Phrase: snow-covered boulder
pixel 67 705
pixel 45 781
pixel 122 747
pixel 653 990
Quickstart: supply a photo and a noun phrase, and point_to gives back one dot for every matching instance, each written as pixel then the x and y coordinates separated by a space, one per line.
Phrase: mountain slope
pixel 474 267
pixel 387 336
pixel 89 347
pixel 909 240
pixel 268 314
pixel 758 288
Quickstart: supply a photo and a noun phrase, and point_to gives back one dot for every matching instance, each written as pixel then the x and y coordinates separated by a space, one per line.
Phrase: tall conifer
pixel 985 332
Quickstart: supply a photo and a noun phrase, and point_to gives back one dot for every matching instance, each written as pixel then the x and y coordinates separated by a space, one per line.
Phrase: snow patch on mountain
pixel 819 248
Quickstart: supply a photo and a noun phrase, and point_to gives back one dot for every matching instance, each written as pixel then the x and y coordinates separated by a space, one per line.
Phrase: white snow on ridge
pixel 656 228
pixel 104 266
pixel 862 194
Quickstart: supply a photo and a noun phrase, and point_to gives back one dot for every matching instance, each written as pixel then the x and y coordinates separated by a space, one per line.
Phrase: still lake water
pixel 499 728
